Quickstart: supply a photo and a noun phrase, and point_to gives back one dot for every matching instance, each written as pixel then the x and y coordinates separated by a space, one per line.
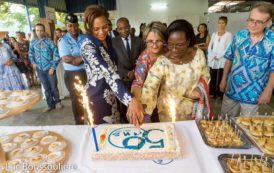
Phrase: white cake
pixel 126 142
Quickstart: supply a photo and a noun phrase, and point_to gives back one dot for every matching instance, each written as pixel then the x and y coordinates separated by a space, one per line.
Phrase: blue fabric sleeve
pixel 92 56
pixel 229 54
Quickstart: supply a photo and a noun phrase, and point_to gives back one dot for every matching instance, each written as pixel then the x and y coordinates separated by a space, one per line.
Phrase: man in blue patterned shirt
pixel 44 57
pixel 248 78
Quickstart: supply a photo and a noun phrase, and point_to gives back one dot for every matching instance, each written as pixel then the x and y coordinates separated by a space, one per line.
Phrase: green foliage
pixel 61 18
pixel 10 17
pixel 33 11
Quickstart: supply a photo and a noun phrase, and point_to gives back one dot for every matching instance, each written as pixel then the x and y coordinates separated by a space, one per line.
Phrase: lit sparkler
pixel 172 109
pixel 81 88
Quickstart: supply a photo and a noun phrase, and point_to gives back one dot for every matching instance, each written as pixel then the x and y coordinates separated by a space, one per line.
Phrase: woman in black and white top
pixel 202 38
pixel 219 42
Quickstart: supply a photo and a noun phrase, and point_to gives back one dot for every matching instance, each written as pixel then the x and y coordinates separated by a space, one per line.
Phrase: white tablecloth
pixel 197 157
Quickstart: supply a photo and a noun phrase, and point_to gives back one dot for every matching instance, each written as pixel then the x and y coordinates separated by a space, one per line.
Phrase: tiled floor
pixel 35 117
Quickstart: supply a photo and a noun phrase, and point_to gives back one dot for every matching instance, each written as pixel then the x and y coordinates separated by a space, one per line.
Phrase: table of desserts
pixel 197 157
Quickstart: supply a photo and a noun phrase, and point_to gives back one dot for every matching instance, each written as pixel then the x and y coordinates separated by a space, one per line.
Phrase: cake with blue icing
pixel 126 142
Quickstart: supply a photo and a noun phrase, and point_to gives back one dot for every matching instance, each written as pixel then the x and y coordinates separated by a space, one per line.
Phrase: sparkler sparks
pixel 82 89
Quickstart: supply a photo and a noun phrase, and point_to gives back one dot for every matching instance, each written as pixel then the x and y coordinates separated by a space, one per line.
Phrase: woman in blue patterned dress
pixel 10 76
pixel 104 83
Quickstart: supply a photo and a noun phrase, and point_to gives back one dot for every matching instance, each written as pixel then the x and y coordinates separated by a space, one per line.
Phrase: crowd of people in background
pixel 133 78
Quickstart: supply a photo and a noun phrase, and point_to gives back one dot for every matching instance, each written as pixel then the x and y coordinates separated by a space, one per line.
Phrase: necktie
pixel 127 48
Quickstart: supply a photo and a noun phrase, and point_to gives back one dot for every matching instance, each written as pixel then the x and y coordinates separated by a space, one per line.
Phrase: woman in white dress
pixel 218 44
pixel 63 91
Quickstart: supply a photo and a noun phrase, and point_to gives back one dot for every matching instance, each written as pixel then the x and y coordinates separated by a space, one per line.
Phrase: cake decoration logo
pixel 163 162
pixel 136 139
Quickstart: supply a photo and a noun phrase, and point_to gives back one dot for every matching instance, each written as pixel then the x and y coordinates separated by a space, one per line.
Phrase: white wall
pixel 138 11
pixel 236 21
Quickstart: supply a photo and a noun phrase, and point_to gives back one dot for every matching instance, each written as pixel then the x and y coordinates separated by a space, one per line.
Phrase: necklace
pixel 220 34
pixel 219 38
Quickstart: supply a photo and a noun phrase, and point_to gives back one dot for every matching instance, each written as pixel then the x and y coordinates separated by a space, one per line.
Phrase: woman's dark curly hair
pixel 182 25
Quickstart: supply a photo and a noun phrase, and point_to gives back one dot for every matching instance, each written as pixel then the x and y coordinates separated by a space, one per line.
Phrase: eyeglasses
pixel 256 22
pixel 156 42
pixel 177 46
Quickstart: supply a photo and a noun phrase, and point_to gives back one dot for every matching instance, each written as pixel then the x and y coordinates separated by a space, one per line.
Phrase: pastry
pixel 257 121
pixel 16 102
pixel 269 134
pixel 269 147
pixel 233 166
pixel 220 133
pixel 17 153
pixel 3 99
pixel 57 146
pixel 56 156
pixel 29 143
pixel 7 147
pixel 48 139
pixel 5 139
pixel 256 133
pixel 37 159
pixel 269 122
pixel 40 134
pixel 14 162
pixel 262 141
pixel 21 137
pixel 33 151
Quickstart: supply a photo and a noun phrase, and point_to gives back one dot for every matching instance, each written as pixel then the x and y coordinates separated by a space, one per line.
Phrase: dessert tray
pixel 245 163
pixel 16 102
pixel 32 152
pixel 222 134
pixel 260 130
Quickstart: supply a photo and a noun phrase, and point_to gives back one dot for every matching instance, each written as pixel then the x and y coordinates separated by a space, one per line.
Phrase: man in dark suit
pixel 128 48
